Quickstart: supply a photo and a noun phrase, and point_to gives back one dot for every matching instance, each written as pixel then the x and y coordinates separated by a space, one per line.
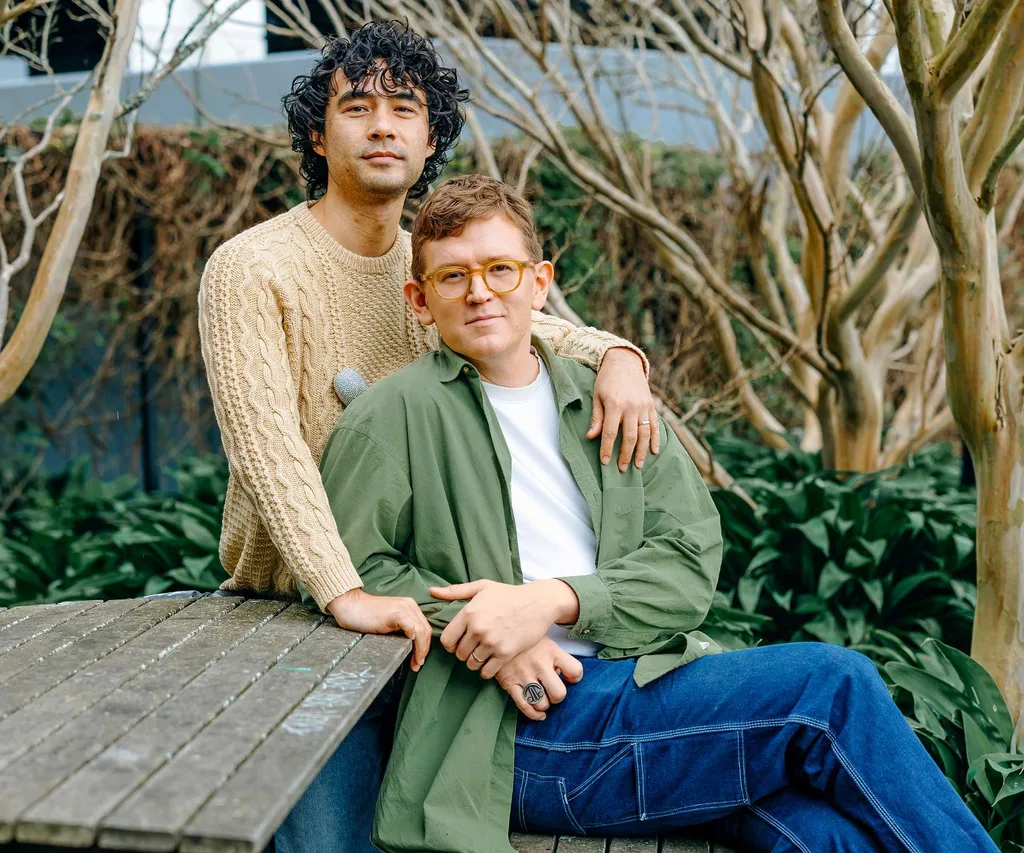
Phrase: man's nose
pixel 478 291
pixel 381 127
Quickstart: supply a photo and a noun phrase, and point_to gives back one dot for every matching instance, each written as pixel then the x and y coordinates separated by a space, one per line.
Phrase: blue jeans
pixel 335 814
pixel 796 747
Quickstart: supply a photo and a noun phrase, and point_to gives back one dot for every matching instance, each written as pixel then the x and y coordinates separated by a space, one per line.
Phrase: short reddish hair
pixel 459 201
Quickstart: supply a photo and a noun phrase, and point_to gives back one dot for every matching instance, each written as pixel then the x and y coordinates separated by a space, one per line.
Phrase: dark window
pixel 279 43
pixel 76 39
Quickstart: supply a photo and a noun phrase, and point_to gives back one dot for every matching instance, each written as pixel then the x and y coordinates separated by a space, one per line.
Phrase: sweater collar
pixel 393 262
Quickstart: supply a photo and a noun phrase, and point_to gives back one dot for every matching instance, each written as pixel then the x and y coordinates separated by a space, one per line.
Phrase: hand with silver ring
pixel 534 693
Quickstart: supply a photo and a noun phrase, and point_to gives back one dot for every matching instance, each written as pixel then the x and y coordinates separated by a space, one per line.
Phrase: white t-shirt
pixel 553 524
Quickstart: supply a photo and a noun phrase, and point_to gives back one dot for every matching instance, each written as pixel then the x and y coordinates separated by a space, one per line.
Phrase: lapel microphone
pixel 349 384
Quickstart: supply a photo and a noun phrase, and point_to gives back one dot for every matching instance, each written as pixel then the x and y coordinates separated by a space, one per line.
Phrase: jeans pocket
pixel 539 804
pixel 698 775
pixel 610 794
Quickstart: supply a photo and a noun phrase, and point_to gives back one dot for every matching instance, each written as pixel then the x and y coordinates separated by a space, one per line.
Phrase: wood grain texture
pixel 34 682
pixel 69 815
pixel 154 816
pixel 21 632
pixel 97 788
pixel 633 845
pixel 62 636
pixel 532 843
pixel 572 844
pixel 243 815
pixel 685 845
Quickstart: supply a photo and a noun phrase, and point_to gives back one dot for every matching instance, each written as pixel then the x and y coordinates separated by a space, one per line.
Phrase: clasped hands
pixel 502 634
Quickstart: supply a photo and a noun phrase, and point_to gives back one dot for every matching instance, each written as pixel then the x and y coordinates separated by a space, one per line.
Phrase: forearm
pixel 583 344
pixel 254 402
pixel 383 575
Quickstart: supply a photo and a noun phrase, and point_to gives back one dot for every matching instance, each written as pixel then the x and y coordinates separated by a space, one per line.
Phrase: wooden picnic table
pixel 186 724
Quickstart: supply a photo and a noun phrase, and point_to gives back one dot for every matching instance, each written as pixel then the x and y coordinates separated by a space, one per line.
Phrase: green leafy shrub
pixel 73 537
pixel 836 557
pixel 957 711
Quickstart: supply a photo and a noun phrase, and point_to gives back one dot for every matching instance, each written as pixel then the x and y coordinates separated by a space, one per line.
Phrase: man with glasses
pixel 574 692
pixel 289 304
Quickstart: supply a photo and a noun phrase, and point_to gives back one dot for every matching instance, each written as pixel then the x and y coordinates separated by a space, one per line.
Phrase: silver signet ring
pixel 533 693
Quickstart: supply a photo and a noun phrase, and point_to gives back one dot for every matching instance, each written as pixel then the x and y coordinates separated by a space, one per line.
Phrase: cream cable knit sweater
pixel 282 308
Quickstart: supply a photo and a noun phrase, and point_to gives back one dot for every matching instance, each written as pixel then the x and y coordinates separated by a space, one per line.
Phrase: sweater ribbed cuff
pixel 328 582
pixel 632 348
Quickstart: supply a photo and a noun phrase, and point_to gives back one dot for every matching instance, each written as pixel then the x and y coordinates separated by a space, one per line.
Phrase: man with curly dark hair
pixel 288 305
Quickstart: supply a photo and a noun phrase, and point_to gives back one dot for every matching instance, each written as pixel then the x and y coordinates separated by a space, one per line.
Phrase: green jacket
pixel 418 474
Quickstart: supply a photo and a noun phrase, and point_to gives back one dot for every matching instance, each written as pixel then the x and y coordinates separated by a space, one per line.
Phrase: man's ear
pixel 543 276
pixel 416 296
pixel 318 143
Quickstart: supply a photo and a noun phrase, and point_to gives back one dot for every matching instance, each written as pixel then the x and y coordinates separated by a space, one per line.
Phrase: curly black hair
pixel 411 61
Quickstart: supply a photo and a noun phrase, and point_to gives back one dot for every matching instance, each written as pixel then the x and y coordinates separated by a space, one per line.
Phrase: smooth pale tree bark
pixel 73 203
pixel 959 154
pixel 21 351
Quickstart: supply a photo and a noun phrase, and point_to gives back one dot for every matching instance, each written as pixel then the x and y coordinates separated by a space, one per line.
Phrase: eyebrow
pixel 365 94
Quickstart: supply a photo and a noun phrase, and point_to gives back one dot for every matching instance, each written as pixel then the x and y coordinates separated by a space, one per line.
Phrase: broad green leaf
pixel 748 590
pixel 825 628
pixel 980 686
pixel 197 534
pixel 761 558
pixel 875 592
pixel 943 697
pixel 831 580
pixel 816 533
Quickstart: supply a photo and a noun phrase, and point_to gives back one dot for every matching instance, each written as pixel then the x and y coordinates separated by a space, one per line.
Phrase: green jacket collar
pixel 453 365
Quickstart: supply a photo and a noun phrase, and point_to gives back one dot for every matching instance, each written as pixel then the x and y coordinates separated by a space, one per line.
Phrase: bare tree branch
pixel 988 186
pixel 968 45
pixel 9 14
pixel 873 90
pixel 18 356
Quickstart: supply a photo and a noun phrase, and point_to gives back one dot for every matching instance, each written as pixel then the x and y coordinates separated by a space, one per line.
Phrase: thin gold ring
pixel 478 660
pixel 645 423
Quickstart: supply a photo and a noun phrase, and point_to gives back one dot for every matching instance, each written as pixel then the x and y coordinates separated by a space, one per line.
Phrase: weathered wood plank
pixel 684 845
pixel 32 683
pixel 245 812
pixel 71 813
pixel 35 723
pixel 63 635
pixel 22 611
pixel 154 816
pixel 633 845
pixel 573 844
pixel 28 629
pixel 532 843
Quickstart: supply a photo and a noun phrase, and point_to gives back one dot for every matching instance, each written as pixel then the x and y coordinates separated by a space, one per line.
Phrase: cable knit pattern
pixel 283 307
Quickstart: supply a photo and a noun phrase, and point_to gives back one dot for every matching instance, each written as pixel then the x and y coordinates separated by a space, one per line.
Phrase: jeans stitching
pixel 670 733
pixel 693 807
pixel 560 783
pixel 641 791
pixel 867 792
pixel 741 745
pixel 601 771
pixel 740 727
pixel 568 808
pixel 522 796
pixel 778 825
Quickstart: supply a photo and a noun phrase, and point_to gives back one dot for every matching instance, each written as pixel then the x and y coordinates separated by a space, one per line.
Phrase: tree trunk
pixel 851 424
pixel 998 641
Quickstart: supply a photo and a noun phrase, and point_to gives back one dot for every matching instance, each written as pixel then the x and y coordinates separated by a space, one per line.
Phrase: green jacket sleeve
pixel 371 500
pixel 649 596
